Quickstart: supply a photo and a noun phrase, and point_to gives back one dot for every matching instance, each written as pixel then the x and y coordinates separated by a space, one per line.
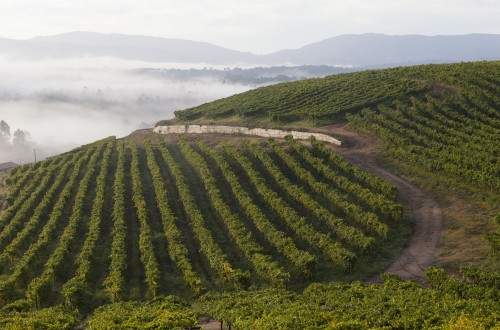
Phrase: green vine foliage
pixel 470 303
pixel 115 221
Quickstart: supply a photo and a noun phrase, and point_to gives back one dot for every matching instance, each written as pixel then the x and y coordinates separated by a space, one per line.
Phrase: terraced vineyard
pixel 116 221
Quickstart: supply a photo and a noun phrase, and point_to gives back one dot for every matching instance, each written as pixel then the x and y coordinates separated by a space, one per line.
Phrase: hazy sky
pixel 259 26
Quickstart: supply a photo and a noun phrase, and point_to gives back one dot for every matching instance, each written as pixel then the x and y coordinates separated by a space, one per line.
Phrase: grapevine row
pixel 264 266
pixel 333 250
pixel 146 247
pixel 114 283
pixel 369 221
pixel 285 245
pixel 348 234
pixel 217 259
pixel 177 250
pixel 73 290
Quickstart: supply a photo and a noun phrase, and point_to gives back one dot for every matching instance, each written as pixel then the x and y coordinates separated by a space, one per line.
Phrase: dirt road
pixel 364 150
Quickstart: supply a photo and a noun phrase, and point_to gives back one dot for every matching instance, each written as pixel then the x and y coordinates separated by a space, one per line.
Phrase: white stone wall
pixel 267 133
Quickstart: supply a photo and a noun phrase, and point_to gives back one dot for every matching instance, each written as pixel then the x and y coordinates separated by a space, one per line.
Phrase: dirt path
pixel 363 150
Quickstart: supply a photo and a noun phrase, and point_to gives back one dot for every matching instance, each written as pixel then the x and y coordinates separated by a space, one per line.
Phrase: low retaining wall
pixel 267 133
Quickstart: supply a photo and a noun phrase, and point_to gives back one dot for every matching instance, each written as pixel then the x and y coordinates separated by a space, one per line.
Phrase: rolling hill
pixel 128 47
pixel 362 50
pixel 260 232
pixel 372 50
pixel 422 113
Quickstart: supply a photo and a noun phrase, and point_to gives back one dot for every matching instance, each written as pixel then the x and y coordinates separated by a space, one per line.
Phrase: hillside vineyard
pixel 154 230
pixel 129 221
pixel 443 119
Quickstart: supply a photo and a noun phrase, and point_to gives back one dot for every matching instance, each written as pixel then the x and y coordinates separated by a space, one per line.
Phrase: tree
pixel 21 138
pixel 4 133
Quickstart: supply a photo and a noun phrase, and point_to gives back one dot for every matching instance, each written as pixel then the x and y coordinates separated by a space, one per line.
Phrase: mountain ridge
pixel 369 49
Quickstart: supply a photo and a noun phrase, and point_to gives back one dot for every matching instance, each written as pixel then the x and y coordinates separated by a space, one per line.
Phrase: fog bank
pixel 64 104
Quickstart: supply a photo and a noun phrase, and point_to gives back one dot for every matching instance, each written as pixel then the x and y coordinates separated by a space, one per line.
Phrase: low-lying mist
pixel 64 104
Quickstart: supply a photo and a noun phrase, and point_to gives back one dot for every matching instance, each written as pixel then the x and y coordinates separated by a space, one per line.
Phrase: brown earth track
pixel 364 150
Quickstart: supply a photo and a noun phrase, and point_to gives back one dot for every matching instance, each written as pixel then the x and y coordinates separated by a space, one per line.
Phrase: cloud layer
pixel 66 104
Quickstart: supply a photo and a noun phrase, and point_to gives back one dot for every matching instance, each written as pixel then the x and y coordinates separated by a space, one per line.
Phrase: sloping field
pixel 442 119
pixel 123 223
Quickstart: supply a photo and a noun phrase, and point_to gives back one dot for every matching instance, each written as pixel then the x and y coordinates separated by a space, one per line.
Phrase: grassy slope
pixel 469 89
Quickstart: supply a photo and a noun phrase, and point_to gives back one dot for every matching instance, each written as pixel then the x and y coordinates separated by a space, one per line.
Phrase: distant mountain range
pixel 370 49
pixel 379 50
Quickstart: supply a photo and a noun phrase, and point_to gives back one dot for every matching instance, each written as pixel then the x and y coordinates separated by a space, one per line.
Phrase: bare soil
pixel 213 325
pixel 364 151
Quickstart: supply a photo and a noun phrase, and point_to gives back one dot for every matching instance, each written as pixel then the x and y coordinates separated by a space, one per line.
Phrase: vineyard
pixel 116 221
pixel 321 99
pixel 153 231
pixel 441 119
